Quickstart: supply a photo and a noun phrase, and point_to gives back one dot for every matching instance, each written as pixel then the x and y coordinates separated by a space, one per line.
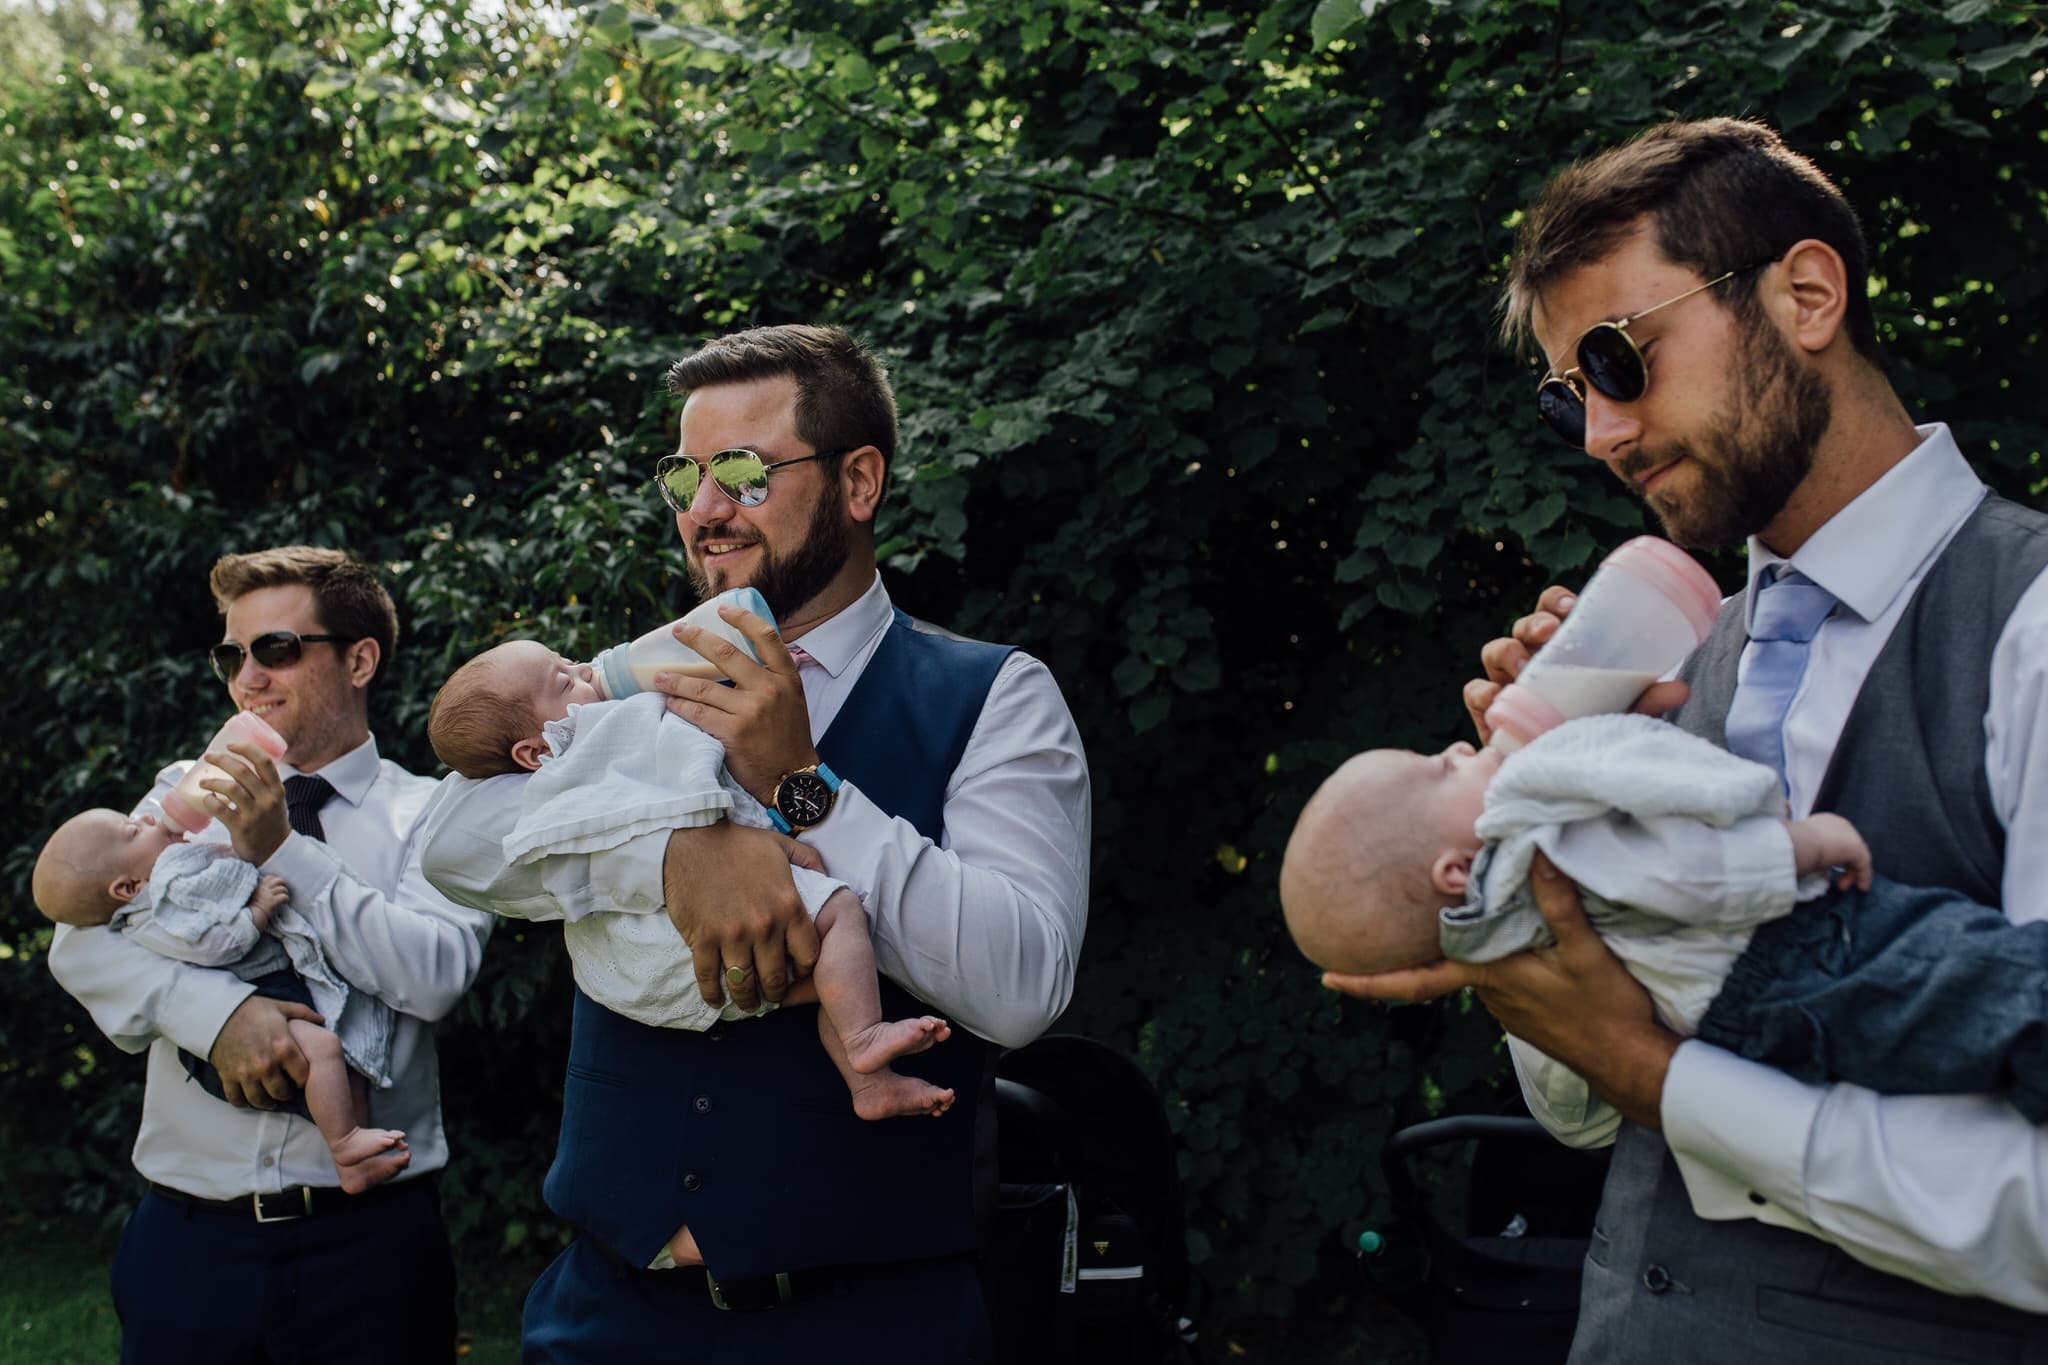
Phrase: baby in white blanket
pixel 604 772
pixel 199 903
pixel 1401 858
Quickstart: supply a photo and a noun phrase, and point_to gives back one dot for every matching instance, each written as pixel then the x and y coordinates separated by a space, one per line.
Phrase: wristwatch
pixel 803 798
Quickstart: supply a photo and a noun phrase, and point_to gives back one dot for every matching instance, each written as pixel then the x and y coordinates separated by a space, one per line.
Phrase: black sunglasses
pixel 741 475
pixel 272 649
pixel 1610 362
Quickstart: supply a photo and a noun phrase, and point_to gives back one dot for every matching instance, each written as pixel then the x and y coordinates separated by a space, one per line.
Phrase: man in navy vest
pixel 1699 296
pixel 728 1201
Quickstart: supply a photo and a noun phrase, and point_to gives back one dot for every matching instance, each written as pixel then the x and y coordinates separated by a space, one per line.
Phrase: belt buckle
pixel 305 1193
pixel 783 1293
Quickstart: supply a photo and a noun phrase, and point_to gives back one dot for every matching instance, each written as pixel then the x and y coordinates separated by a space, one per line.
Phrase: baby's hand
pixel 270 893
pixel 1824 841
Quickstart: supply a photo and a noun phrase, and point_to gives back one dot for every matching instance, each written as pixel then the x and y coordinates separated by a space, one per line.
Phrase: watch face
pixel 803 799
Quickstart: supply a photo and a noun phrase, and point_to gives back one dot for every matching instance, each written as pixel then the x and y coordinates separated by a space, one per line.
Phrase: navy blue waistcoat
pixel 745 1131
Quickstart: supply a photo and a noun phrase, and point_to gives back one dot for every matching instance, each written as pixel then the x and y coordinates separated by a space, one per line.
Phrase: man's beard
pixel 1750 463
pixel 788 581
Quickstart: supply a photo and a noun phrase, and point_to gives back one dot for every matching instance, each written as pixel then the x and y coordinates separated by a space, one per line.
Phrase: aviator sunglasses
pixel 1610 362
pixel 272 649
pixel 741 475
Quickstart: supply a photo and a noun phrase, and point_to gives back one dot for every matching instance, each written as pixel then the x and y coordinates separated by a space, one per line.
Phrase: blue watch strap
pixel 831 778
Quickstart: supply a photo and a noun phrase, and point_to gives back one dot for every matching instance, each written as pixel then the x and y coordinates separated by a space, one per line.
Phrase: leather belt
pixel 770 1291
pixel 280 1206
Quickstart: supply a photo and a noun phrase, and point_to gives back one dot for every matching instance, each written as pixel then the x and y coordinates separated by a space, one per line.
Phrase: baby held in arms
pixel 1764 935
pixel 199 903
pixel 599 772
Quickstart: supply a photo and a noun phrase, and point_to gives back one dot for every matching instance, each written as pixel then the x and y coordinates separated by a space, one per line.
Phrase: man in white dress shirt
pixel 728 1200
pixel 245 1248
pixel 1700 298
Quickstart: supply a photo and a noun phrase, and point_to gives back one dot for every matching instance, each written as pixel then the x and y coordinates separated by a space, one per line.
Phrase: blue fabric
pixel 1789 610
pixel 371 1284
pixel 1903 990
pixel 589 1309
pixel 745 1131
pixel 284 984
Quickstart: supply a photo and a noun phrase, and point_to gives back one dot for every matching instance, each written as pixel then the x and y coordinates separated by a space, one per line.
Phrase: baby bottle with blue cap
pixel 626 669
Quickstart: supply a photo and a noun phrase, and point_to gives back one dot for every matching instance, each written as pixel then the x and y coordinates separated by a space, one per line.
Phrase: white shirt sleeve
pixel 414 949
pixel 987 924
pixel 1559 1099
pixel 1951 1191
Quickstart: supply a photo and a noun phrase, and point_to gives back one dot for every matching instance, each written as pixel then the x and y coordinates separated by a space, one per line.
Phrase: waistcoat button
pixel 1656 1279
pixel 702 1104
pixel 693 1181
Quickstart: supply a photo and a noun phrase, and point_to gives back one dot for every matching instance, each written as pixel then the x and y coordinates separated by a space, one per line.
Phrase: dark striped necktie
pixel 303 798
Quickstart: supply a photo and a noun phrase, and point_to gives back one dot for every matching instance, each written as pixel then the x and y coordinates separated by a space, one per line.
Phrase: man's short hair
pixel 1721 194
pixel 348 599
pixel 843 399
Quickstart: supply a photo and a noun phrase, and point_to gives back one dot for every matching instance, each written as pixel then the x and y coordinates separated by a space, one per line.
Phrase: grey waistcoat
pixel 1663 1285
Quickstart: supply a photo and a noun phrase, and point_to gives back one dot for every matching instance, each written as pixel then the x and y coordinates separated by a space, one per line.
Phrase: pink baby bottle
pixel 1648 606
pixel 181 804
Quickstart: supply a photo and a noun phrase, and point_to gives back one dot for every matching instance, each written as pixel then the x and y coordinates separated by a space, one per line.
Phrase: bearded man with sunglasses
pixel 245 1247
pixel 1700 298
pixel 728 1200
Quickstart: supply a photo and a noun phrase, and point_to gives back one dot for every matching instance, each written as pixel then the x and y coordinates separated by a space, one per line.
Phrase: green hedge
pixel 1190 308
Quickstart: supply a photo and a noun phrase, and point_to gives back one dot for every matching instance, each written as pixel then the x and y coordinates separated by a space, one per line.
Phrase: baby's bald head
pixel 1384 844
pixel 84 861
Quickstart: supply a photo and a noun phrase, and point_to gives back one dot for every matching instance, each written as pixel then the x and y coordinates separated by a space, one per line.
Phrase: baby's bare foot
pixel 892 1095
pixel 870 1049
pixel 368 1157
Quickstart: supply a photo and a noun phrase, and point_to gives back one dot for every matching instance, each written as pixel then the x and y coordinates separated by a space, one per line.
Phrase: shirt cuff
pixel 849 837
pixel 306 865
pixel 1739 1133
pixel 196 1012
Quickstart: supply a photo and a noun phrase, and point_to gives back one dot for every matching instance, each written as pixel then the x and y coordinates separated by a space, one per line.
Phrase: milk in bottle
pixel 623 670
pixel 184 805
pixel 1647 607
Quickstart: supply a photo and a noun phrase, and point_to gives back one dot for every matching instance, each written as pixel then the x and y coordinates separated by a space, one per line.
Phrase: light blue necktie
pixel 1789 610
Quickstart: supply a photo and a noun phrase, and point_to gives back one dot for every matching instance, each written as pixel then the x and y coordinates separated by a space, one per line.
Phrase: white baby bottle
pixel 1648 606
pixel 182 808
pixel 623 670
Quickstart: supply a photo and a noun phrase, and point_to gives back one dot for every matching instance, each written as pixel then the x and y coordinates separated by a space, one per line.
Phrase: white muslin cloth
pixel 615 772
pixel 196 909
pixel 1679 849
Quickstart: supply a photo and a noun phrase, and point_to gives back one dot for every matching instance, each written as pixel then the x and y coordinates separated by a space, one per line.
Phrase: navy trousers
pixel 588 1308
pixel 371 1283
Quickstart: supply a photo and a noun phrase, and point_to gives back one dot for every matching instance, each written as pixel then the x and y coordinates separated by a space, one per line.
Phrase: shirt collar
pixel 838 640
pixel 352 775
pixel 1871 550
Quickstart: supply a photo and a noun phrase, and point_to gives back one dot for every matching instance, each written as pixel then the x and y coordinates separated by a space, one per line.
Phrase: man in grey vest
pixel 1700 297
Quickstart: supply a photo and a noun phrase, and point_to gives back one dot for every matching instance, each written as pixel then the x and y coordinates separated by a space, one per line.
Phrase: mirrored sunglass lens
pixel 678 483
pixel 1562 411
pixel 1612 364
pixel 742 474
pixel 227 661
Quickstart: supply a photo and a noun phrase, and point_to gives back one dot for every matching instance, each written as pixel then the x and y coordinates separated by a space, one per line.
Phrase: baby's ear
pixel 528 753
pixel 1452 872
pixel 125 889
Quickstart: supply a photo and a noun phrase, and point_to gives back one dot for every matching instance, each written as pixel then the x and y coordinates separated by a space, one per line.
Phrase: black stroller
pixel 1505 1290
pixel 1089 1259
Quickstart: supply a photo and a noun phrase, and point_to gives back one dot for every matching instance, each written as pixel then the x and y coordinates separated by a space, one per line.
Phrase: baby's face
pixel 1449 791
pixel 550 683
pixel 134 841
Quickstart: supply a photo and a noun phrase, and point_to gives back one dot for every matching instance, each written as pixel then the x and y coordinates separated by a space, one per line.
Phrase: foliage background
pixel 1190 310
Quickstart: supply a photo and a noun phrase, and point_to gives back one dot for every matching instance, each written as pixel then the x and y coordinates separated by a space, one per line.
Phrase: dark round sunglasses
pixel 741 475
pixel 272 649
pixel 1609 361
